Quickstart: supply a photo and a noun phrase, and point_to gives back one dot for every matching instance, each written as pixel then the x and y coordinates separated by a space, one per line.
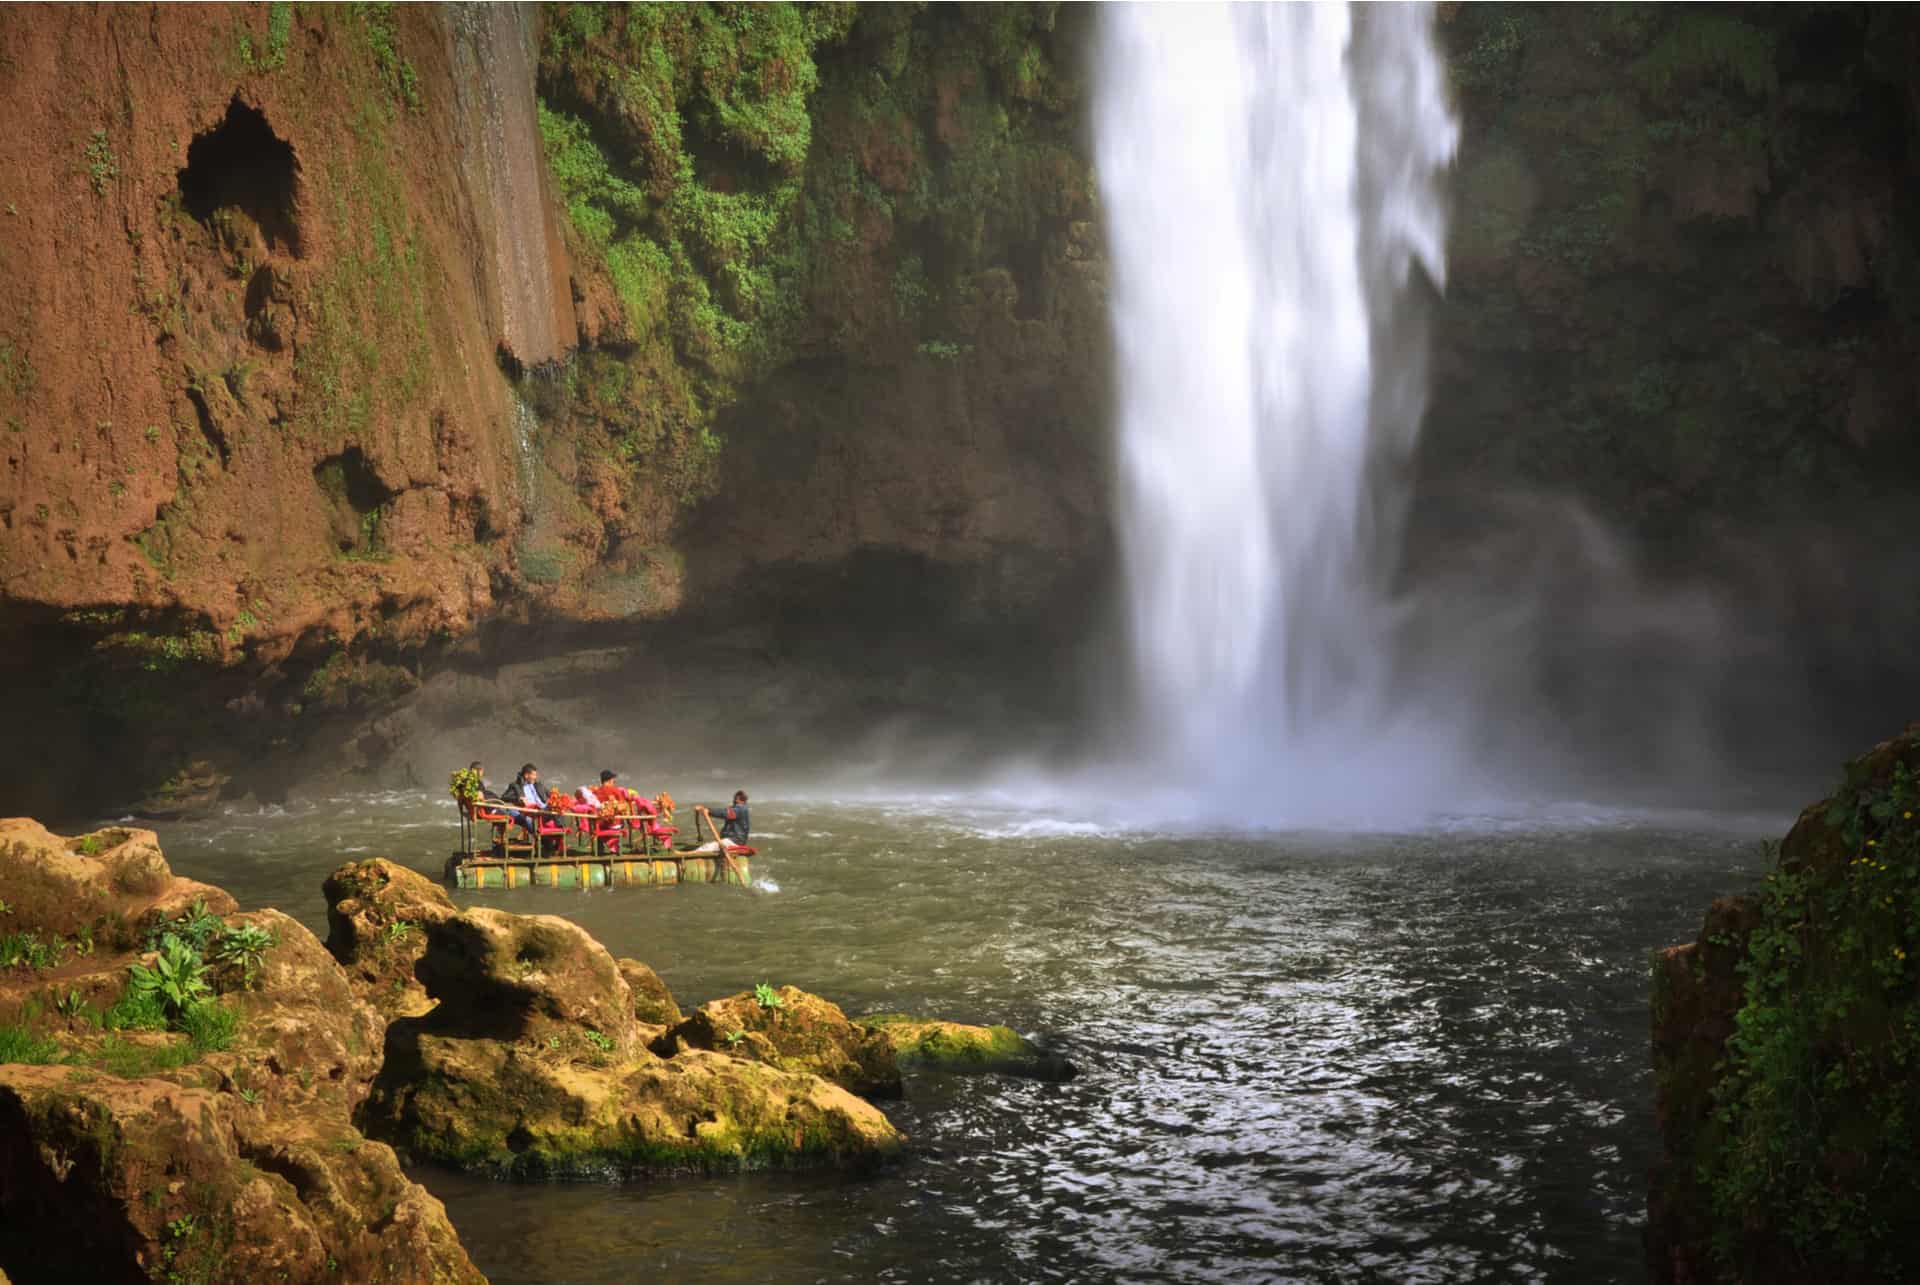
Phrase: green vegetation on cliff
pixel 1796 1158
pixel 1679 273
pixel 760 183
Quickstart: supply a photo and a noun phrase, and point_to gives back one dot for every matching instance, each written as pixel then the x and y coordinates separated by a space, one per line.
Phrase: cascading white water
pixel 1269 175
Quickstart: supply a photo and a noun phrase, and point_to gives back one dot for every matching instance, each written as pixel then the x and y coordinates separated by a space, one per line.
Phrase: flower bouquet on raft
pixel 464 786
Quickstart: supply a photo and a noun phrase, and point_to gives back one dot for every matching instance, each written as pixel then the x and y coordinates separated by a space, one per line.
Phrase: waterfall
pixel 1270 178
pixel 526 453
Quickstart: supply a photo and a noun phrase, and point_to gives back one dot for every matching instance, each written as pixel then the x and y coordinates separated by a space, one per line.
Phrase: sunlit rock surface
pixel 933 1045
pixel 137 1154
pixel 795 1031
pixel 533 1062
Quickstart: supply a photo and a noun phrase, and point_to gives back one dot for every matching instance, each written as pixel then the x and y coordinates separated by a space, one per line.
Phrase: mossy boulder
pixel 101 885
pixel 924 1044
pixel 112 1179
pixel 1784 1044
pixel 222 1153
pixel 377 913
pixel 653 1003
pixel 569 1110
pixel 794 1031
pixel 534 1063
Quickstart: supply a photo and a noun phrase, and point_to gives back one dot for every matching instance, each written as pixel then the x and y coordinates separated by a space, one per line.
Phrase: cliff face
pixel 1682 263
pixel 336 331
pixel 249 395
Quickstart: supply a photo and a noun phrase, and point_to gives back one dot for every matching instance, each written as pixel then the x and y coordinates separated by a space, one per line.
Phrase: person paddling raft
pixel 738 825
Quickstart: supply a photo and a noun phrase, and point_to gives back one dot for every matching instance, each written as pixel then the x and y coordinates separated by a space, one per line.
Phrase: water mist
pixel 1271 176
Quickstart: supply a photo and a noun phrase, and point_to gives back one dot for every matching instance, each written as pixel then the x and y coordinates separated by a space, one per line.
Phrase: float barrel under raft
pixel 485 871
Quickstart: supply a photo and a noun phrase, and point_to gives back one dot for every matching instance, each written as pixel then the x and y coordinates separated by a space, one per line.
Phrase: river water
pixel 1414 1056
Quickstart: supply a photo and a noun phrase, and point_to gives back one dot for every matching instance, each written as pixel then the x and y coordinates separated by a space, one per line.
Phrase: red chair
pixel 501 825
pixel 552 830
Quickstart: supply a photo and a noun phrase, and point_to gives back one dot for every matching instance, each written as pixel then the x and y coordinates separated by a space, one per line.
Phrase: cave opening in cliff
pixel 242 164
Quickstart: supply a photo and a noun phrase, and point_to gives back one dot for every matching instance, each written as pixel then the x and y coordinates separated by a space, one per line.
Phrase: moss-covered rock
pixel 377 915
pixel 653 1003
pixel 222 1150
pixel 569 1109
pixel 533 1062
pixel 932 1045
pixel 101 886
pixel 1785 1044
pixel 794 1031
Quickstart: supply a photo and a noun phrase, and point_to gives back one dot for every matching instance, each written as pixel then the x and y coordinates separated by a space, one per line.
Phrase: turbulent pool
pixel 1412 1056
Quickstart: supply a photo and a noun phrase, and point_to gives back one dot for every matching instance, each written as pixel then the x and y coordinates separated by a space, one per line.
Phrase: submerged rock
pixel 1786 1053
pixel 921 1043
pixel 224 1152
pixel 794 1031
pixel 533 1062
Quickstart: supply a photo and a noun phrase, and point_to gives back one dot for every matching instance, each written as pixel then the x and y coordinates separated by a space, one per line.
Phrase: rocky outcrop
pixel 377 913
pixel 653 1003
pixel 99 887
pixel 220 1150
pixel 1671 240
pixel 795 1031
pixel 533 1061
pixel 1785 1042
pixel 932 1045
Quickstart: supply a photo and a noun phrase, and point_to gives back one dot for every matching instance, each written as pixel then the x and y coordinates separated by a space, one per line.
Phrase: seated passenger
pixel 525 793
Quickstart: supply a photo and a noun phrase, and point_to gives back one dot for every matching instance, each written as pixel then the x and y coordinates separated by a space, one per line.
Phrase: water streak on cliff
pixel 1270 175
pixel 493 61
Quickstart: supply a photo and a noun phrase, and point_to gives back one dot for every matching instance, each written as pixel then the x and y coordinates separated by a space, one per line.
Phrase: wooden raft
pixel 485 870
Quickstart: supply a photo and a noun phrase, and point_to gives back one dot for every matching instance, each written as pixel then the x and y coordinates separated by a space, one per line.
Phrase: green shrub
pixel 1812 1151
pixel 177 977
pixel 27 950
pixel 243 948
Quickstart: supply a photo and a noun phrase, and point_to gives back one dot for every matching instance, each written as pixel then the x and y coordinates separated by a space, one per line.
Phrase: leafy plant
pixel 602 1042
pixel 464 786
pixel 249 1096
pixel 70 1005
pixel 767 996
pixel 397 932
pixel 243 948
pixel 733 1038
pixel 102 166
pixel 178 976
pixel 26 950
pixel 196 927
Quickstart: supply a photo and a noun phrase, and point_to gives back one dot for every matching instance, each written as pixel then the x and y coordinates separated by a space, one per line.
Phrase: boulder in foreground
pixel 533 1059
pixel 209 1141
